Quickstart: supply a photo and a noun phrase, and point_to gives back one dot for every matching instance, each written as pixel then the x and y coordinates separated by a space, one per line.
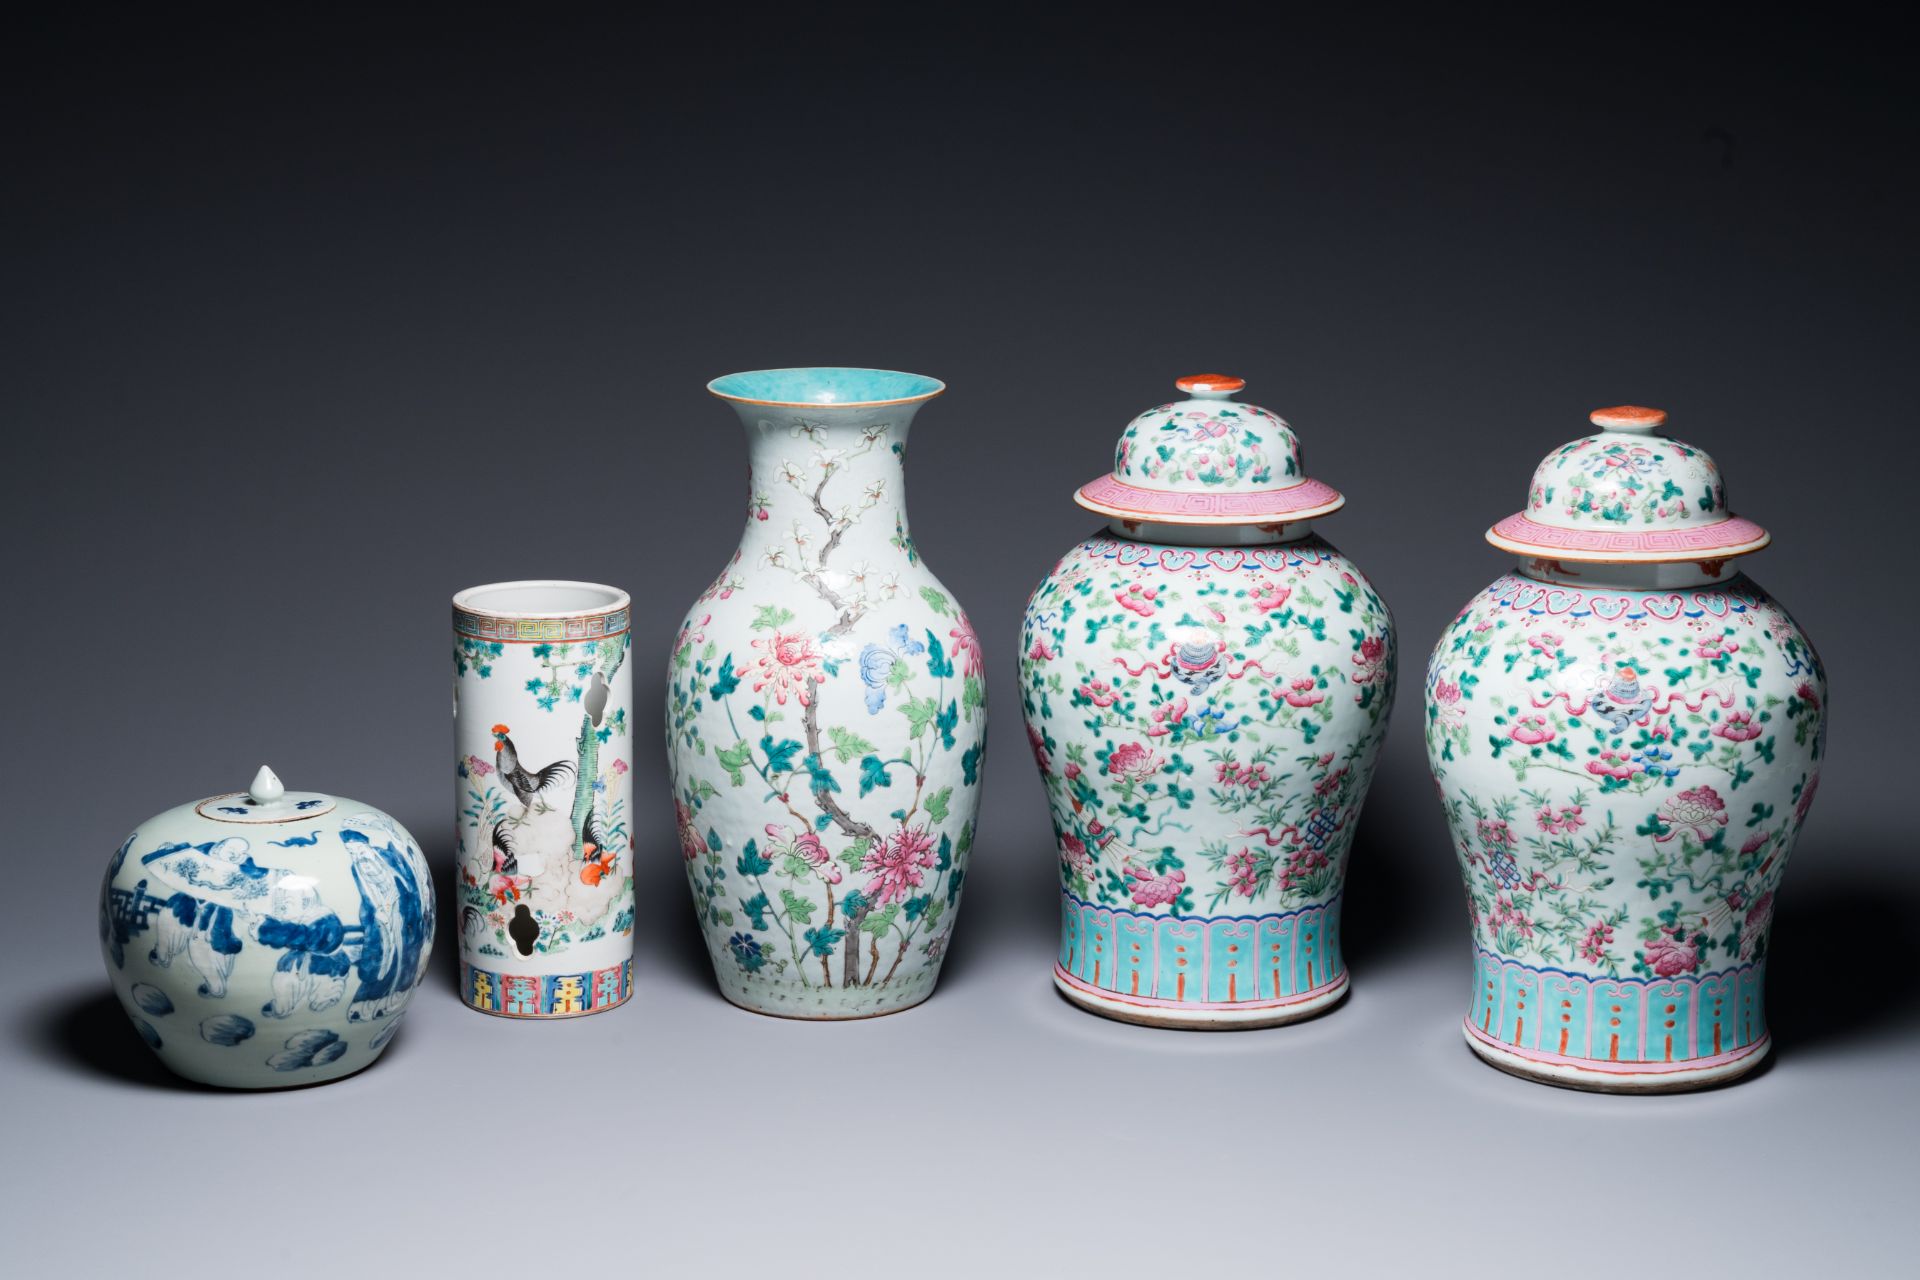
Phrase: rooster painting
pixel 505 860
pixel 599 859
pixel 525 786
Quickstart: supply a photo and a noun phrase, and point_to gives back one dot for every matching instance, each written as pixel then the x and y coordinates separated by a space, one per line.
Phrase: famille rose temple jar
pixel 1627 734
pixel 1206 684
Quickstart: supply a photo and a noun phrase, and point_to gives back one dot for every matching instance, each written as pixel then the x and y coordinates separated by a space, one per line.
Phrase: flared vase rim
pixel 935 387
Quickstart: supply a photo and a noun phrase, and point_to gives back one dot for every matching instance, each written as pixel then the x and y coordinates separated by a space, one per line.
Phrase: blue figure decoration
pixel 396 917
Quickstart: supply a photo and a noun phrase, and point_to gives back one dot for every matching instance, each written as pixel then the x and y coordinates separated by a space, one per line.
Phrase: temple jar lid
pixel 1627 494
pixel 1208 459
pixel 267 802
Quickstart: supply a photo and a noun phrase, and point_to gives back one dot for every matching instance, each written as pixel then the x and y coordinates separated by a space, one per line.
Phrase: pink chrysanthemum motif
pixel 805 845
pixel 898 864
pixel 789 665
pixel 966 648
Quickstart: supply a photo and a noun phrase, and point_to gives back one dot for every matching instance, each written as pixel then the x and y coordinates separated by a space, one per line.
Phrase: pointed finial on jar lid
pixel 1632 418
pixel 1210 386
pixel 266 787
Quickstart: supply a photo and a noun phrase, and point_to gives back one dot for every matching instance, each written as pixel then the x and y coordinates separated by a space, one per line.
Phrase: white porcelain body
pixel 1206 720
pixel 543 740
pixel 263 947
pixel 826 718
pixel 1626 755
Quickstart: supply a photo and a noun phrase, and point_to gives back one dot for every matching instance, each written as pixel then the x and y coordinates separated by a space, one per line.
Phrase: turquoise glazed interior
pixel 826 386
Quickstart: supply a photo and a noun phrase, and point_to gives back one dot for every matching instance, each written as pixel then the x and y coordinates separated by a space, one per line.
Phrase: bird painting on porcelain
pixel 542 735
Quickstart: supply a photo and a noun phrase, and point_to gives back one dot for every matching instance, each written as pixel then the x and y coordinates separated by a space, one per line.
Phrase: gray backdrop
pixel 313 321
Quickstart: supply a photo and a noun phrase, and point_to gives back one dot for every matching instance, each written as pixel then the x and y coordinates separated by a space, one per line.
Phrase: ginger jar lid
pixel 266 801
pixel 1627 494
pixel 1208 459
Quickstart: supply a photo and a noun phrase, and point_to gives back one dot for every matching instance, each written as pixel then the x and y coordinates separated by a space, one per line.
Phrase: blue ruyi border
pixel 1226 559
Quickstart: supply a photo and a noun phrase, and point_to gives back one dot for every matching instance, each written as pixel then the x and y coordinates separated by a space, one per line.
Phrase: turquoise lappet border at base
pixel 1202 962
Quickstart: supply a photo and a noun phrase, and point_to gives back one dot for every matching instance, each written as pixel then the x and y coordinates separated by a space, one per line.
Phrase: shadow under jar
pixel 1206 685
pixel 826 713
pixel 1627 734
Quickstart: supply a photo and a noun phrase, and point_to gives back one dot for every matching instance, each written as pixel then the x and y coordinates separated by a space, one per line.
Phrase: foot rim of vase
pixel 825 1015
pixel 1567 1074
pixel 1250 1017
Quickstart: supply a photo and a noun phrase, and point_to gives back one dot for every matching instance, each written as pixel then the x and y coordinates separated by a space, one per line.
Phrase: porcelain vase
pixel 1206 686
pixel 543 739
pixel 265 939
pixel 826 713
pixel 1627 734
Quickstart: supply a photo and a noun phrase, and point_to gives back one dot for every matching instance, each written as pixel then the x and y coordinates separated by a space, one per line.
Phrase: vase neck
pixel 1629 577
pixel 827 491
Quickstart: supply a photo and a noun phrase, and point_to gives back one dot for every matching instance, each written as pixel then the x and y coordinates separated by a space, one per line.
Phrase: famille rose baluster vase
pixel 1627 733
pixel 1206 685
pixel 826 713
pixel 543 732
pixel 267 938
